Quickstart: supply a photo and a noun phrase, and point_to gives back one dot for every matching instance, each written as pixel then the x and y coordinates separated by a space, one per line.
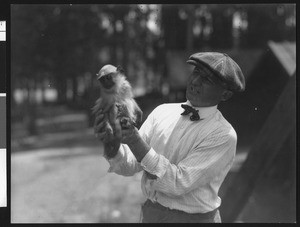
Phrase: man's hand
pixel 99 126
pixel 130 134
pixel 127 134
pixel 131 137
pixel 111 139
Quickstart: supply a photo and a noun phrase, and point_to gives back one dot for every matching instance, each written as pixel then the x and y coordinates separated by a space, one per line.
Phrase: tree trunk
pixel 62 90
pixel 74 88
pixel 31 108
pixel 189 36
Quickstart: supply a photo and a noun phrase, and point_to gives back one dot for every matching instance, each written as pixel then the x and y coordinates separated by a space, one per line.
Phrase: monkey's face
pixel 107 81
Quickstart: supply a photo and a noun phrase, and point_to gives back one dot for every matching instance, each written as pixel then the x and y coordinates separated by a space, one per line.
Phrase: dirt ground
pixel 62 178
pixel 71 185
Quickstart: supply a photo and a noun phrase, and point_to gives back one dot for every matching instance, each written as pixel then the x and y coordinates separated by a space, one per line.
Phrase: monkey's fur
pixel 116 101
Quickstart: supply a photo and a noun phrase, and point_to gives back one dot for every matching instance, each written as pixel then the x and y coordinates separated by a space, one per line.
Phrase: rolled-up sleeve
pixel 154 163
pixel 124 163
pixel 210 159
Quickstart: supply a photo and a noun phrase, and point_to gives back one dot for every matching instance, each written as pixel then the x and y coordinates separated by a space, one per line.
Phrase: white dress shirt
pixel 189 158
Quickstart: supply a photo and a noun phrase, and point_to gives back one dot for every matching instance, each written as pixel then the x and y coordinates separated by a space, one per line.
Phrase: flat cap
pixel 223 66
pixel 105 70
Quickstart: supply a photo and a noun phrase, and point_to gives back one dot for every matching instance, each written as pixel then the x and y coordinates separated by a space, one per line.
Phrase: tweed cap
pixel 223 66
pixel 105 70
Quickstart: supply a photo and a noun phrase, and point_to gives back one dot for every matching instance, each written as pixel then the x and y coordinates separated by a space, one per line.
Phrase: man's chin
pixel 190 97
pixel 192 101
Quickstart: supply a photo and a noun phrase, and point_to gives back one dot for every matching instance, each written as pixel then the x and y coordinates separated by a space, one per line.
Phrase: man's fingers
pixel 97 107
pixel 99 111
pixel 118 129
pixel 101 135
pixel 99 118
pixel 99 102
pixel 126 134
pixel 99 127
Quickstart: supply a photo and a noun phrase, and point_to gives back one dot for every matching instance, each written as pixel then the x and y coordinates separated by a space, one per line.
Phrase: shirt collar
pixel 204 111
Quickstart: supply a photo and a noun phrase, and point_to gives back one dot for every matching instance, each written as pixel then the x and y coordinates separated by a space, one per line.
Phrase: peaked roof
pixel 285 52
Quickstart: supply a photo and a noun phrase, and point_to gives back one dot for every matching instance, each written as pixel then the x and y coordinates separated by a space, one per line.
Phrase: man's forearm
pixel 139 149
pixel 111 149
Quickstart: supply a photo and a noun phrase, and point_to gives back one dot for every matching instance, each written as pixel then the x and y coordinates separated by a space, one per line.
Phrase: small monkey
pixel 116 100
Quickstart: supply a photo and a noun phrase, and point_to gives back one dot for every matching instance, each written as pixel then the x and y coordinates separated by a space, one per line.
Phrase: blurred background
pixel 58 173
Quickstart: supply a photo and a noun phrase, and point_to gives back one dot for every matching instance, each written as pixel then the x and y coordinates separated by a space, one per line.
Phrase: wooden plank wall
pixel 278 126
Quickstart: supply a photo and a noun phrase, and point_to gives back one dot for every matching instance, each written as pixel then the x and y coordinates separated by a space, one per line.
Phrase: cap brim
pixel 197 63
pixel 192 62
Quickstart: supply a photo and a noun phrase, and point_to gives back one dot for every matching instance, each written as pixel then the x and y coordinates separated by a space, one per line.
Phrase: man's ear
pixel 226 95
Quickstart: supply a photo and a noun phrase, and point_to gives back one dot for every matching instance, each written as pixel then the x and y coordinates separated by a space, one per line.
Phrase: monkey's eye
pixel 105 78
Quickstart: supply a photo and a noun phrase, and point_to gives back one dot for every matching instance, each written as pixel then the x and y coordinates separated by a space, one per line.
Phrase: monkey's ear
pixel 120 69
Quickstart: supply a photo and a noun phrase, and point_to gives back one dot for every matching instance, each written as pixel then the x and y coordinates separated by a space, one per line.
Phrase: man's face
pixel 204 88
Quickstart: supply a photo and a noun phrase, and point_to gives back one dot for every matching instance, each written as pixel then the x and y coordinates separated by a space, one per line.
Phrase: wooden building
pixel 264 188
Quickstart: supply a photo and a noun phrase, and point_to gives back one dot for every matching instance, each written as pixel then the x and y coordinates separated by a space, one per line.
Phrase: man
pixel 185 149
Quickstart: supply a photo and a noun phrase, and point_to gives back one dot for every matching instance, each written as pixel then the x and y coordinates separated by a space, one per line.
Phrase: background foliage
pixel 57 49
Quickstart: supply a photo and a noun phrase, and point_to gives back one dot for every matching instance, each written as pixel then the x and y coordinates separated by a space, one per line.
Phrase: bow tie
pixel 189 109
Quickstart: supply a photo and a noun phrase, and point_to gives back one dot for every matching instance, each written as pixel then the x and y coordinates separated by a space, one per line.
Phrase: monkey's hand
pixel 126 122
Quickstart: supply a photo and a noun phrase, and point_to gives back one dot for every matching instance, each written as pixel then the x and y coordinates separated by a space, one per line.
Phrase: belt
pixel 180 212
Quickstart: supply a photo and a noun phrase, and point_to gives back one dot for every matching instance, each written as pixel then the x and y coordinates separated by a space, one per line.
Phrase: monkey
pixel 116 101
